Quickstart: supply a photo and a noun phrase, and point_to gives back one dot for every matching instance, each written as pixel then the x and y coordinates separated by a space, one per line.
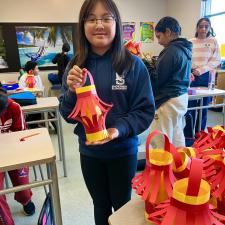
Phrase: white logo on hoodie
pixel 120 81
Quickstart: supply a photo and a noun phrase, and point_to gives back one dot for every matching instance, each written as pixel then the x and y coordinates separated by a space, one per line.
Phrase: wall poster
pixel 129 31
pixel 147 32
pixel 41 43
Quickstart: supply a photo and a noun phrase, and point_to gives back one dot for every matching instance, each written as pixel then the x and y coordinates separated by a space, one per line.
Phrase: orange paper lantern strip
pixel 207 141
pixel 218 180
pixel 154 184
pixel 91 111
pixel 30 80
pixel 133 47
pixel 189 204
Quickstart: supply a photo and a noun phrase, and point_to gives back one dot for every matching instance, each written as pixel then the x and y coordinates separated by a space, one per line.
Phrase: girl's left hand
pixel 113 133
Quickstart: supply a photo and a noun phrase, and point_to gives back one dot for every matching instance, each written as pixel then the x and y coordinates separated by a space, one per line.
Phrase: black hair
pixel 66 47
pixel 211 31
pixel 170 23
pixel 121 58
pixel 3 100
pixel 30 65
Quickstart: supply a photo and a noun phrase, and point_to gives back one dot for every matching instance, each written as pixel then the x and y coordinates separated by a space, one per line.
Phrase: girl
pixel 205 58
pixel 108 166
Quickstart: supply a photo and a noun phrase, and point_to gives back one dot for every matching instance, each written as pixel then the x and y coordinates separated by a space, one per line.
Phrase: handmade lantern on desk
pixel 30 80
pixel 154 184
pixel 91 111
pixel 189 204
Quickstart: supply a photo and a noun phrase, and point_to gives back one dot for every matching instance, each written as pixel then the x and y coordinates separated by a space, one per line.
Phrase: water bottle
pixel 212 78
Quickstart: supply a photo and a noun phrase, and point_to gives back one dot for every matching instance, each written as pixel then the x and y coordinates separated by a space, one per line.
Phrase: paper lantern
pixel 91 111
pixel 154 184
pixel 30 80
pixel 133 47
pixel 189 204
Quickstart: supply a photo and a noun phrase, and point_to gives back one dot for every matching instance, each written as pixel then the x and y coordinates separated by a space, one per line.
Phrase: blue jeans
pixel 109 183
pixel 200 81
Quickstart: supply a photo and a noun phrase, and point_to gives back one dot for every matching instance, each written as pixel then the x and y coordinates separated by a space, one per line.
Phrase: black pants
pixel 109 183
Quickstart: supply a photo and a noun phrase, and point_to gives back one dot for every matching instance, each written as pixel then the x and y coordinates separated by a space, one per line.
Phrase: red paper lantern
pixel 189 204
pixel 91 111
pixel 30 80
pixel 154 184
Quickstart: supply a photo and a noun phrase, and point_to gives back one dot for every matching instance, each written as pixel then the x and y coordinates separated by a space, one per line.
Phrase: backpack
pixel 46 215
pixel 24 98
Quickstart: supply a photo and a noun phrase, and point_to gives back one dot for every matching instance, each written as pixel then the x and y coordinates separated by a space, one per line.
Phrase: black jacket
pixel 171 77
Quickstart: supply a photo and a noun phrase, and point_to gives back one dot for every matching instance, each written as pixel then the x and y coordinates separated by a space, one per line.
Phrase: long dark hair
pixel 121 58
pixel 211 31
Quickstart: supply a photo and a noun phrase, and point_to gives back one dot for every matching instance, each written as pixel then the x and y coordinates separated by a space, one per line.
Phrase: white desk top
pixel 131 213
pixel 42 103
pixel 205 92
pixel 34 150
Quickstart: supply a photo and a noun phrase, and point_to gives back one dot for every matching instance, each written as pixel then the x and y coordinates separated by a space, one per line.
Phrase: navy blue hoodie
pixel 133 105
pixel 173 68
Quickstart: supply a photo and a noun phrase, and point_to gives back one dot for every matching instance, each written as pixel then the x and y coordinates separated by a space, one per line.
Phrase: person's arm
pixel 55 59
pixel 18 120
pixel 165 67
pixel 142 107
pixel 213 61
pixel 22 81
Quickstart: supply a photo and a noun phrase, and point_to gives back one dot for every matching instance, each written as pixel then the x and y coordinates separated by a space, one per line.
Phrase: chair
pixel 54 87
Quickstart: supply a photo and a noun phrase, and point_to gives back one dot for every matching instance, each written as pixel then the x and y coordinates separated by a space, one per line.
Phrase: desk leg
pixel 54 191
pixel 62 146
pixel 200 115
pixel 59 133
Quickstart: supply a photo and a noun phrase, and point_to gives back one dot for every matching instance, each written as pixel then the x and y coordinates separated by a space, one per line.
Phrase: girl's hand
pixel 192 77
pixel 76 77
pixel 113 133
pixel 195 72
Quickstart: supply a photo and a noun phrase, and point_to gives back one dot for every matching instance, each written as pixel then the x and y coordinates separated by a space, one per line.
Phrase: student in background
pixel 170 80
pixel 121 78
pixel 205 57
pixel 33 68
pixel 61 59
pixel 12 119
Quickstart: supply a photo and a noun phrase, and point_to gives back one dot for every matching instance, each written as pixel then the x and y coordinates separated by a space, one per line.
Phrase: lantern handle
pixel 195 176
pixel 167 146
pixel 149 138
pixel 87 72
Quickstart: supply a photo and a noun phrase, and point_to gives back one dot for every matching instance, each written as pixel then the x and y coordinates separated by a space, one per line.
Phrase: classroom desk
pixel 220 83
pixel 35 150
pixel 35 91
pixel 45 105
pixel 202 92
pixel 131 213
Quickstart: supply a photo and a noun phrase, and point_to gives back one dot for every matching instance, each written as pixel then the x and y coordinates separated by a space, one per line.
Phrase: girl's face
pixel 100 29
pixel 202 29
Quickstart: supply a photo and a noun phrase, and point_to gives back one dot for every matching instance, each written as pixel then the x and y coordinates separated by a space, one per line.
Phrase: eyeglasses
pixel 204 26
pixel 105 21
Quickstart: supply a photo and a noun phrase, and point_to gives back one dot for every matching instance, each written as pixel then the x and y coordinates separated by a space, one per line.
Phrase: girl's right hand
pixel 76 77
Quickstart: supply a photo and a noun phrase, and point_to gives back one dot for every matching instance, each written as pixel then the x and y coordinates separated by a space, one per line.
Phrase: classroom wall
pixel 187 13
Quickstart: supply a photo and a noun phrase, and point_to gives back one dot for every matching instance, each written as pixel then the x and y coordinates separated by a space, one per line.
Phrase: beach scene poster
pixel 42 43
pixel 3 63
